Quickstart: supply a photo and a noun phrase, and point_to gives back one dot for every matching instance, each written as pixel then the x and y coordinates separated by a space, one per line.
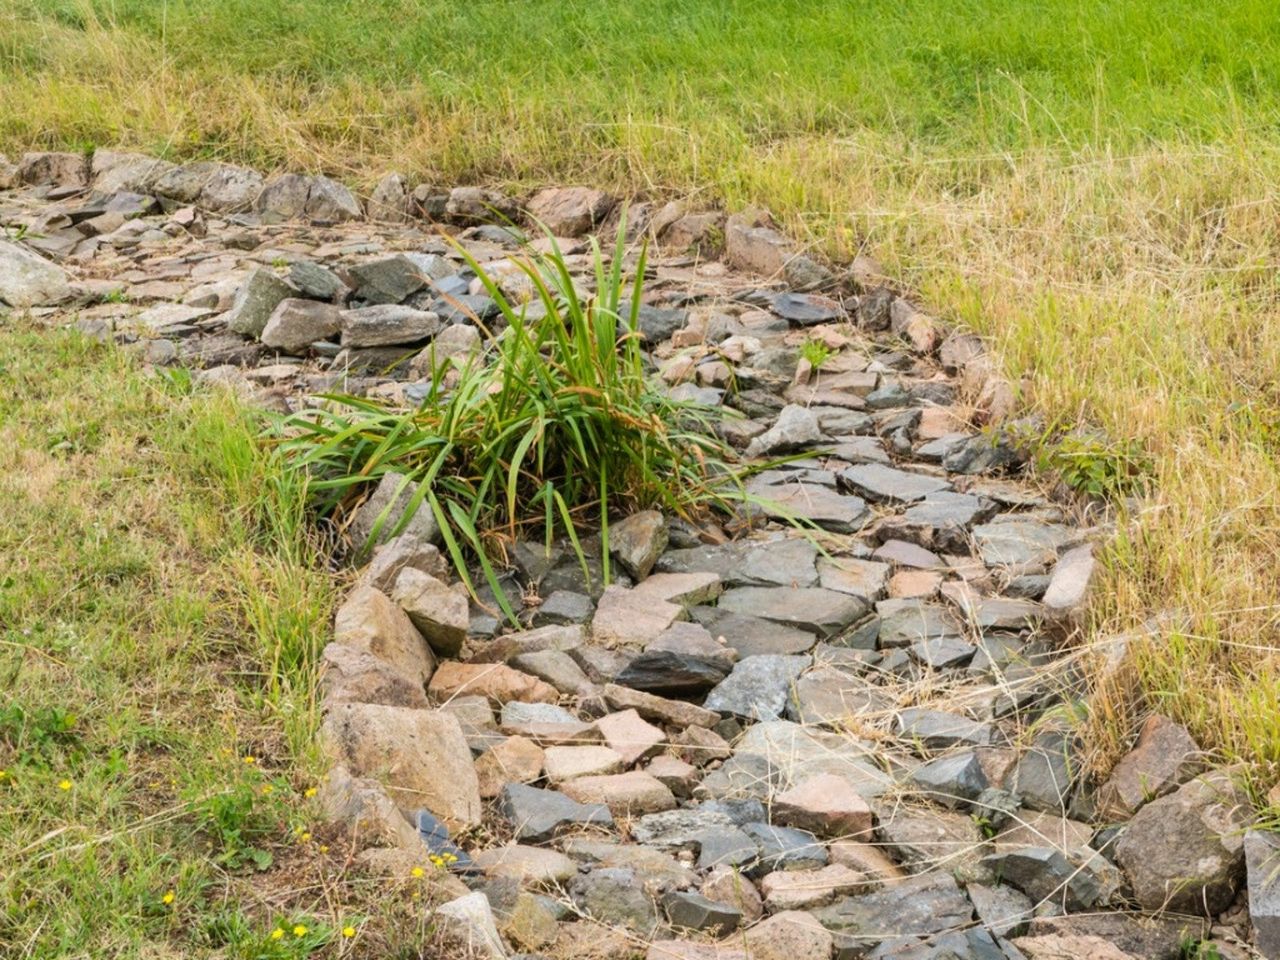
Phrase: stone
pixel 224 188
pixel 825 804
pixel 403 551
pixel 532 922
pixel 790 935
pixel 795 429
pixel 1058 947
pixel 727 885
pixel 835 697
pixel 616 896
pixel 514 760
pixel 1164 758
pixel 470 922
pixel 923 905
pixel 1074 879
pixel 937 729
pixel 390 200
pixel 700 746
pixel 496 681
pixel 569 211
pixel 806 309
pixel 1022 546
pixel 906 554
pixel 564 607
pixel 329 201
pixel 791 754
pixel 352 676
pixel 881 484
pixel 255 302
pixel 1003 910
pixel 478 205
pixel 388 280
pixel 867 580
pixel 558 669
pixel 867 859
pixel 625 794
pixel 314 281
pixel 538 816
pixel 386 514
pixel 1262 861
pixel 806 889
pixel 1068 588
pixel 795 500
pixel 954 781
pixel 568 763
pixel 439 612
pixel 686 910
pixel 773 563
pixel 1185 851
pixel 926 838
pixel 630 736
pixel 1045 772
pixel 757 687
pixel 284 197
pixel 907 622
pixel 369 622
pixel 1042 829
pixel 296 324
pixel 55 169
pixel 751 636
pixel 784 848
pixel 674 774
pixel 750 244
pixel 813 609
pixel 683 661
pixel 420 756
pixel 992 451
pixel 658 708
pixel 387 325
pixel 637 541
pixel 1143 936
pixel 28 280
pixel 625 617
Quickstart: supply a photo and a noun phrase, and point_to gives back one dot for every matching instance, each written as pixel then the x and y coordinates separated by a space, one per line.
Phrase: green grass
pixel 160 614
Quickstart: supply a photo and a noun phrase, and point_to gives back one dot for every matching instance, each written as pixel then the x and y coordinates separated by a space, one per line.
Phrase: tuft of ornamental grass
pixel 554 425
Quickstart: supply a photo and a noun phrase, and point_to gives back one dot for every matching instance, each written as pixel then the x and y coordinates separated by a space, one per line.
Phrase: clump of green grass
pixel 554 425
pixel 816 353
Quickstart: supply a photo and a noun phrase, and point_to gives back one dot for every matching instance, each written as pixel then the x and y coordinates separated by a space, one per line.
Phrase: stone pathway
pixel 847 745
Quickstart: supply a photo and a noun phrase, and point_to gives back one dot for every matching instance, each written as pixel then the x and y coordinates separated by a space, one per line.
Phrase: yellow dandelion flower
pixel 309 792
pixel 305 838
pixel 299 931
pixel 418 872
pixel 277 934
pixel 324 848
pixel 250 760
pixel 168 898
pixel 267 788
pixel 64 785
pixel 348 932
pixel 3 774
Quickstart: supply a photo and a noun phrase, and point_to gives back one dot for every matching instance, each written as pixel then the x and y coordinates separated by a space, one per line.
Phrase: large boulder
pixel 54 169
pixel 1185 852
pixel 369 622
pixel 295 324
pixel 420 757
pixel 27 280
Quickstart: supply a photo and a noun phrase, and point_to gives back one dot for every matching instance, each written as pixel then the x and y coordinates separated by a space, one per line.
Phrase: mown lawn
pixel 1091 183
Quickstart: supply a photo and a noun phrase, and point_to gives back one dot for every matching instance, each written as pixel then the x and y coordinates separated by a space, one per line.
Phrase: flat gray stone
pixel 387 325
pixel 819 611
pixel 906 622
pixel 1073 880
pixel 881 484
pixel 822 505
pixel 937 730
pixel 1023 545
pixel 757 688
pixel 616 896
pixel 784 848
pixel 28 280
pixel 918 906
pixel 295 324
pixel 687 910
pixel 953 780
pixel 387 280
pixel 255 301
pixel 537 816
pixel 752 636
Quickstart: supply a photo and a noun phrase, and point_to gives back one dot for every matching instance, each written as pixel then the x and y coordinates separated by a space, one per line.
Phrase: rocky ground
pixel 855 743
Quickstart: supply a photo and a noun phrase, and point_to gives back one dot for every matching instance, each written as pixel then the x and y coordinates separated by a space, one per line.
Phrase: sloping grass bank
pixel 1090 183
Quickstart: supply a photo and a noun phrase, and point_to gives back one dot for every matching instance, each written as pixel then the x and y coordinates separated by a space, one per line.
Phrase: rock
pixel 687 950
pixel 477 205
pixel 806 889
pixel 683 661
pixel 813 609
pixel 954 781
pixel 1068 588
pixel 1044 774
pixel 637 542
pixel 660 870
pixel 569 763
pixel 792 754
pixel 659 708
pixel 825 804
pixel 362 804
pixel 1002 910
pixel 625 794
pixel 1185 851
pixel 469 920
pixel 674 774
pixel 784 848
pixel 616 896
pixel 537 816
pixel 383 515
pixel 532 922
pixel 693 911
pixel 390 200
pixel 255 302
pixel 387 325
pixel 387 281
pixel 564 607
pixel 224 188
pixel 865 579
pixel 750 636
pixel 421 753
pixel 1058 947
pixel 925 838
pixel 728 886
pixel 403 551
pixel 570 211
pixel 514 760
pixel 27 280
pixel 1262 859
pixel 630 736
pixel 558 669
pixel 531 866
pixel 370 623
pixel 439 612
pixel 795 429
pixel 806 309
pixel 331 202
pixel 881 484
pixel 351 676
pixel 1143 936
pixel 791 500
pixel 919 906
pixel 868 860
pixel 936 729
pixel 1023 546
pixel 791 935
pixel 296 324
pixel 54 169
pixel 496 681
pixel 1074 880
pixel 1027 829
pixel 757 687
pixel 314 281
pixel 1165 757
pixel 700 746
pixel 628 618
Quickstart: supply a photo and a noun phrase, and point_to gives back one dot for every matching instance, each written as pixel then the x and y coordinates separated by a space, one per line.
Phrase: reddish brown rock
pixel 496 681
pixel 827 805
pixel 1165 757
pixel 514 760
pixel 625 794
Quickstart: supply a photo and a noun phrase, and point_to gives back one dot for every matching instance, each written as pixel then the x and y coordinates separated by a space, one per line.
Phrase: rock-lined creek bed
pixel 853 743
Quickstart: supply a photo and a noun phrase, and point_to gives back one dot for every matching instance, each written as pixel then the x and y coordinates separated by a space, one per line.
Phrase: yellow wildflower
pixel 277 934
pixel 267 788
pixel 418 872
pixel 305 838
pixel 64 785
pixel 299 931
pixel 324 848
pixel 168 898
pixel 348 932
pixel 309 792
pixel 250 760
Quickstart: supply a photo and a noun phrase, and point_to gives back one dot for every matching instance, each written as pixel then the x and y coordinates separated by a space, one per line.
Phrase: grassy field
pixel 1091 184
pixel 160 617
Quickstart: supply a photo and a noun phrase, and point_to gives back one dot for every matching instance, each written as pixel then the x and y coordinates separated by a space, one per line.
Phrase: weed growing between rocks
pixel 554 423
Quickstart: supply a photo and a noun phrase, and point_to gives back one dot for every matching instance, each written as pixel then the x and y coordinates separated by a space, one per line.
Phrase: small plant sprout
pixel 816 353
